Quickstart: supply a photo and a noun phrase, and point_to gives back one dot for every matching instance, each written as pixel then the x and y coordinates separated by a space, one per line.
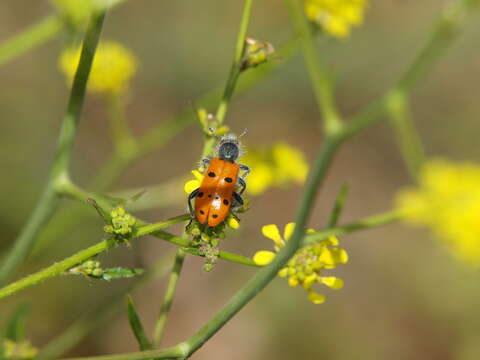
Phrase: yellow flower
pixel 113 67
pixel 447 199
pixel 277 165
pixel 193 184
pixel 336 16
pixel 306 266
pixel 18 350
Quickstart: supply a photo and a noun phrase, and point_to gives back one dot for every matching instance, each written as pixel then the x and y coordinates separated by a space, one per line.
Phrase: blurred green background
pixel 405 297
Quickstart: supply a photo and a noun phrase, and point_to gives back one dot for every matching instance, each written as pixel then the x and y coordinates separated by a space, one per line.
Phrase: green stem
pixel 319 77
pixel 338 207
pixel 47 203
pixel 233 77
pixel 363 224
pixel 237 62
pixel 168 298
pixel 34 36
pixel 408 139
pixel 444 34
pixel 61 267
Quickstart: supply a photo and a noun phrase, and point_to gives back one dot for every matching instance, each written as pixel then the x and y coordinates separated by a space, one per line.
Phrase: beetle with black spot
pixel 217 194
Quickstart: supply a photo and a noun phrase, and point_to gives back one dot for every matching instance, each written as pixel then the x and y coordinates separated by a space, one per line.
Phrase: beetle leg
pixel 246 170
pixel 237 201
pixel 242 184
pixel 190 198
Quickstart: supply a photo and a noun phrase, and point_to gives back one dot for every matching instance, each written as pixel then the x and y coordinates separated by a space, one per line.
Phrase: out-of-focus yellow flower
pixel 336 17
pixel 276 165
pixel 113 67
pixel 447 199
pixel 18 351
pixel 306 266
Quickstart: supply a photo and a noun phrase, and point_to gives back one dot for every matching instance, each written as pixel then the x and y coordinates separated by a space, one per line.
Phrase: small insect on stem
pixel 217 195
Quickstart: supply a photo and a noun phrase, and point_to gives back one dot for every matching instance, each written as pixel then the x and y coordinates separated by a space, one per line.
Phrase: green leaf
pixel 120 273
pixel 337 209
pixel 136 326
pixel 15 329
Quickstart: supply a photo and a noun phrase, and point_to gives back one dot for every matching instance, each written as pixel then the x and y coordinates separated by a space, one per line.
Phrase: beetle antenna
pixel 243 133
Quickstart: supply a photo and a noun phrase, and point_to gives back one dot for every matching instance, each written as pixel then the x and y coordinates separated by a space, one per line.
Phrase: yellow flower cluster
pixel 277 165
pixel 336 17
pixel 306 266
pixel 113 67
pixel 18 351
pixel 447 199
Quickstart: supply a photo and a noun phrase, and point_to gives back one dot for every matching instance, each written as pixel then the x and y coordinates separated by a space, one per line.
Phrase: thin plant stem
pixel 407 136
pixel 168 298
pixel 445 32
pixel 48 201
pixel 61 267
pixel 338 207
pixel 237 62
pixel 363 224
pixel 233 77
pixel 319 77
pixel 34 36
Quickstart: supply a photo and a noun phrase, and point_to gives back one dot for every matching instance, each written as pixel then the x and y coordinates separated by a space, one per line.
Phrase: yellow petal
pixel 233 223
pixel 340 255
pixel 327 257
pixel 283 273
pixel 315 297
pixel 333 241
pixel 289 229
pixel 311 231
pixel 263 257
pixel 198 175
pixel 191 185
pixel 293 281
pixel 332 282
pixel 271 232
pixel 309 280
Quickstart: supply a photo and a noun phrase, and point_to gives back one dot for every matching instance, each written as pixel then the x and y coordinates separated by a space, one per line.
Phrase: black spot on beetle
pixel 225 202
pixel 228 179
pixel 214 216
pixel 209 195
pixel 200 194
pixel 217 197
pixel 211 174
pixel 202 212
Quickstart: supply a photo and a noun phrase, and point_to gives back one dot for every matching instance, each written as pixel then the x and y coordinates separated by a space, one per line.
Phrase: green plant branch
pixel 237 62
pixel 319 77
pixel 34 36
pixel 168 298
pixel 363 224
pixel 48 201
pixel 61 267
pixel 233 77
pixel 445 32
pixel 407 137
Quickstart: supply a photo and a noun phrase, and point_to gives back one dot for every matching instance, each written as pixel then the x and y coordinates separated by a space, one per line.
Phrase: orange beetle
pixel 217 195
